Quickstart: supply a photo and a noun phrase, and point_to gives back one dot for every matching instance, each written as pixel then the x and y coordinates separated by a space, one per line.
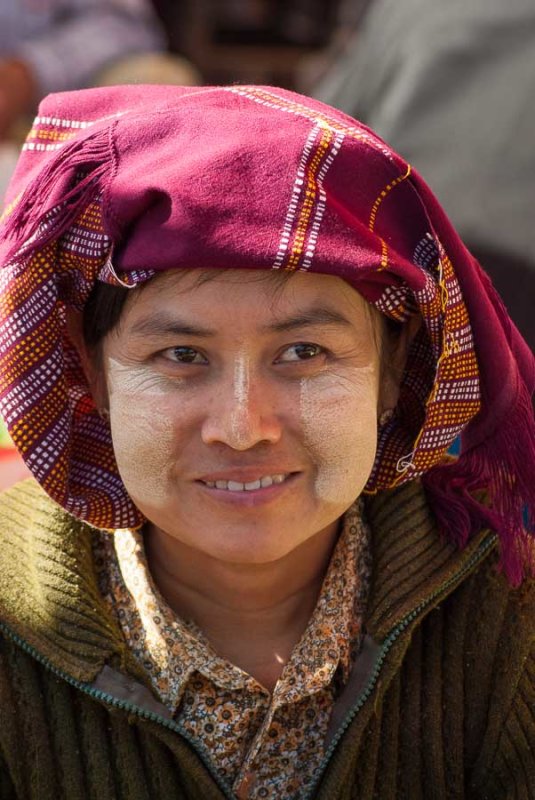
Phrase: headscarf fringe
pixel 492 485
pixel 78 168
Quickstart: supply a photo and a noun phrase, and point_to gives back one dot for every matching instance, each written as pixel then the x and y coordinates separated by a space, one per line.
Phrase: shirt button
pixel 245 786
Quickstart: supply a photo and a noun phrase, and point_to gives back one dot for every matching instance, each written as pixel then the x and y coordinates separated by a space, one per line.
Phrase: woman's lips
pixel 251 492
pixel 248 486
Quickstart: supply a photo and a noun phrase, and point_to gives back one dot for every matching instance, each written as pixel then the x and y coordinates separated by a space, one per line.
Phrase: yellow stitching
pixel 310 197
pixel 384 255
pixel 388 188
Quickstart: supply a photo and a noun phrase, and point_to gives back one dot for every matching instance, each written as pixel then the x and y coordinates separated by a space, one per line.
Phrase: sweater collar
pixel 50 597
pixel 414 566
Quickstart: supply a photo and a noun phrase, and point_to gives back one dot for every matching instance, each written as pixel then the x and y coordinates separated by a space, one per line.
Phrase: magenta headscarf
pixel 118 184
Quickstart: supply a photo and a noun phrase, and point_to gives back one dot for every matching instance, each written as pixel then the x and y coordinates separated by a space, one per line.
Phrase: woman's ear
pixel 393 360
pixel 90 360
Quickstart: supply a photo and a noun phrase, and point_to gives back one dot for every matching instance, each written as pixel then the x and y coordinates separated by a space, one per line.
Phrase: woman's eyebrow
pixel 164 325
pixel 318 315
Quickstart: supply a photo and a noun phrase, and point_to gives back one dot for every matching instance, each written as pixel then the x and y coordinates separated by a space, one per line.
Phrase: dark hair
pixel 102 312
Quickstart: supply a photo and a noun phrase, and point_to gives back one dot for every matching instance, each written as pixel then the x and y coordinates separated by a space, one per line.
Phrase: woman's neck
pixel 252 614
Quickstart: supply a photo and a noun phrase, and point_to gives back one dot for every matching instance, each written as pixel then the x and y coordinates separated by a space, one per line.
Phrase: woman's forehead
pixel 238 294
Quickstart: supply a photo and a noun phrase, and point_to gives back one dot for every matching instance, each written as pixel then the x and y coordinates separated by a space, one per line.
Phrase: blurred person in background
pixel 451 87
pixel 56 45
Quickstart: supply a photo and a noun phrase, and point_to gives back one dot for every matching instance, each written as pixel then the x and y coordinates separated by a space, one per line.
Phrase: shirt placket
pixel 286 692
pixel 245 784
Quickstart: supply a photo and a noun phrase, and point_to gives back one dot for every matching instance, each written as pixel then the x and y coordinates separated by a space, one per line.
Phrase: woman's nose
pixel 241 413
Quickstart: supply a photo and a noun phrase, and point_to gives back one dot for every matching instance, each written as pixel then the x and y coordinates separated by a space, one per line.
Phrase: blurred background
pixel 450 85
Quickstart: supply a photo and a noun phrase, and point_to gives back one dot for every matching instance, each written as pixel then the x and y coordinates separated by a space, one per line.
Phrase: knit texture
pixel 451 713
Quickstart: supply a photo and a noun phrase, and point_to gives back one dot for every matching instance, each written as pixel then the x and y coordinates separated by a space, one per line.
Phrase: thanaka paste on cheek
pixel 339 420
pixel 142 432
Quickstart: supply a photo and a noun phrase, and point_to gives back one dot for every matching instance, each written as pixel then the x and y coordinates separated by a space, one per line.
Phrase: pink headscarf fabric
pixel 117 184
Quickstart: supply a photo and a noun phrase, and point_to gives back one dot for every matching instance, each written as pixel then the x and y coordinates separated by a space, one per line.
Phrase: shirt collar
pixel 172 649
pixel 333 633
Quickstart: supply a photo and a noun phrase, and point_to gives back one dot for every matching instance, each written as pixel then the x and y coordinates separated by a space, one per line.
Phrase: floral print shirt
pixel 262 744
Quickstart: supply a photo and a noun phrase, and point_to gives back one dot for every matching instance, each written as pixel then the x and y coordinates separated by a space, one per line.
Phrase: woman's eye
pixel 303 351
pixel 184 355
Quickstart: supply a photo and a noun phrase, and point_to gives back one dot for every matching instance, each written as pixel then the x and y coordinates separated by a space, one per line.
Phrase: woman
pixel 238 338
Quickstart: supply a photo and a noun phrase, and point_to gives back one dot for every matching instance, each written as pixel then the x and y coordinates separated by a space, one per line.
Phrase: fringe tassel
pixel 502 469
pixel 58 194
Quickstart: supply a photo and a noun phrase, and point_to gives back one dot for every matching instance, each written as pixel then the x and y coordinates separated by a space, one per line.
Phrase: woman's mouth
pixel 250 486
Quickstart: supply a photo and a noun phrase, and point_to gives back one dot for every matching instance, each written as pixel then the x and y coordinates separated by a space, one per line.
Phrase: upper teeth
pixel 237 486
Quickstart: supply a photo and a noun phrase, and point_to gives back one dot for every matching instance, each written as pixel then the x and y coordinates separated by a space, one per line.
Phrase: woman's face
pixel 244 410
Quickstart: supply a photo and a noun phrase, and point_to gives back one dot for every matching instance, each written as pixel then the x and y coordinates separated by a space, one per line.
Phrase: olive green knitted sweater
pixel 441 703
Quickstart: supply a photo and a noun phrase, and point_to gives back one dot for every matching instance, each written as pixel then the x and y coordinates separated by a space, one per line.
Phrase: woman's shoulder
pixel 36 530
pixel 48 587
pixel 415 566
pixel 26 507
pixel 28 498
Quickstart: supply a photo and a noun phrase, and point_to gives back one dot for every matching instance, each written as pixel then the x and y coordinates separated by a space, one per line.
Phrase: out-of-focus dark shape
pixel 248 41
pixel 451 85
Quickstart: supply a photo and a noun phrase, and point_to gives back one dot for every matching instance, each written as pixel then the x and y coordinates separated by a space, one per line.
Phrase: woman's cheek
pixel 143 445
pixel 339 422
pixel 144 439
